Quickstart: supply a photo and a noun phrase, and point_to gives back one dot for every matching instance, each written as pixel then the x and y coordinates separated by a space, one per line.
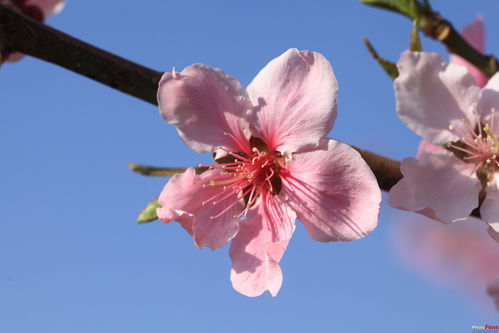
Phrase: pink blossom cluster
pixel 453 107
pixel 459 159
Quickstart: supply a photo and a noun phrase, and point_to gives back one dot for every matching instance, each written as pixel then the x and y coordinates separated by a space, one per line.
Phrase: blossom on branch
pixel 275 164
pixel 38 10
pixel 442 103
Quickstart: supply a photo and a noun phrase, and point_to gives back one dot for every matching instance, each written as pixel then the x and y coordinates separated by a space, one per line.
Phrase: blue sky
pixel 72 258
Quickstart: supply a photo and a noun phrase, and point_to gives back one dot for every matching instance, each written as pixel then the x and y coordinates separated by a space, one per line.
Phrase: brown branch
pixel 387 171
pixel 436 27
pixel 20 33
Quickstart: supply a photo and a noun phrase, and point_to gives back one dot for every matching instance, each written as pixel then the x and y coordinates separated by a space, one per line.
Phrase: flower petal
pixel 493 234
pixel 205 104
pixel 48 7
pixel 439 186
pixel 333 192
pixel 489 103
pixel 182 200
pixel 14 57
pixel 259 246
pixel 428 147
pixel 474 34
pixel 295 98
pixel 432 95
pixel 489 210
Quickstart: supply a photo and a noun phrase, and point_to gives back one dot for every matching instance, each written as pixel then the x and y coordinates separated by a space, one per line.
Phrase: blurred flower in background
pixel 459 256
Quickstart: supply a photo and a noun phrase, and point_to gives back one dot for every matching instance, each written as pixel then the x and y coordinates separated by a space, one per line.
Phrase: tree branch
pixel 436 27
pixel 22 34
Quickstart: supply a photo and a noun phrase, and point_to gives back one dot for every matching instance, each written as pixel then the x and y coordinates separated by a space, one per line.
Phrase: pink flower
pixel 441 103
pixel 277 164
pixel 474 34
pixel 457 256
pixel 36 9
pixel 493 290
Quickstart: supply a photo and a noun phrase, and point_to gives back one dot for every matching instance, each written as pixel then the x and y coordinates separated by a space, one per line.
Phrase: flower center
pixel 478 145
pixel 247 176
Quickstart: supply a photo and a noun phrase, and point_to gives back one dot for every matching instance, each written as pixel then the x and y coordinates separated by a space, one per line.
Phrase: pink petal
pixel 182 200
pixel 441 187
pixel 259 246
pixel 493 234
pixel 489 210
pixel 333 192
pixel 489 103
pixel 428 147
pixel 14 57
pixel 205 104
pixel 48 7
pixel 295 95
pixel 474 34
pixel 432 95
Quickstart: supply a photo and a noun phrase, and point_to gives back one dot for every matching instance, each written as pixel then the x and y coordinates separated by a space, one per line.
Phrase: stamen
pixel 235 202
pixel 234 154
pixel 487 130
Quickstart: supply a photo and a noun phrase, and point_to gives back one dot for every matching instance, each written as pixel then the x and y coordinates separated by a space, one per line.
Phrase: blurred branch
pixel 20 33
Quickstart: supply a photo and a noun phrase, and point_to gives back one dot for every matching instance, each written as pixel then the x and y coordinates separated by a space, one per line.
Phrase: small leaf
pixel 389 67
pixel 415 41
pixel 410 8
pixel 148 214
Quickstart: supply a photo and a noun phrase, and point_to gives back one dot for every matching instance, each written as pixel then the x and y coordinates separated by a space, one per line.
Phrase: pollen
pixel 478 144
